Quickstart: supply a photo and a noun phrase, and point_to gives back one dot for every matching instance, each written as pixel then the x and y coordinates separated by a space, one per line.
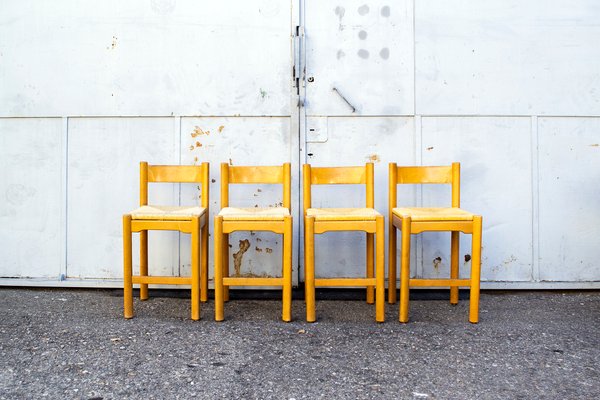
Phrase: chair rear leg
pixel 144 264
pixel 392 264
pixel 454 250
pixel 370 266
pixel 204 263
pixel 225 260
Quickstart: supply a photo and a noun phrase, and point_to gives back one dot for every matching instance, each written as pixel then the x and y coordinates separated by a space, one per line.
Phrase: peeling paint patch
pixel 237 256
pixel 363 10
pixel 263 93
pixel 230 162
pixel 384 53
pixel 436 262
pixel 221 128
pixel 430 148
pixel 374 158
pixel 467 258
pixel 258 249
pixel 269 250
pixel 113 44
pixel 198 131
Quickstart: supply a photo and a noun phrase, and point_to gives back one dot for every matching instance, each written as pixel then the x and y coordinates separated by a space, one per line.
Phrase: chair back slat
pixel 418 175
pixel 338 175
pixel 198 174
pixel 447 174
pixel 256 174
pixel 175 173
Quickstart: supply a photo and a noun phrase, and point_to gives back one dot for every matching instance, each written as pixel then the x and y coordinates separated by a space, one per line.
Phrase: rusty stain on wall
pixel 436 262
pixel 237 256
pixel 221 128
pixel 373 158
pixel 430 148
pixel 269 250
pixel 258 249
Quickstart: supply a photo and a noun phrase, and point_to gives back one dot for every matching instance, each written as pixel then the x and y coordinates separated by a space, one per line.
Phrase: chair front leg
pixel 287 270
pixel 218 238
pixel 380 273
pixel 475 270
pixel 195 297
pixel 127 269
pixel 309 268
pixel 405 270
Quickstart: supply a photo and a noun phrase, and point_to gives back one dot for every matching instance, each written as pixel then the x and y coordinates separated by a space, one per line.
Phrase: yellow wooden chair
pixel 274 219
pixel 321 220
pixel 415 220
pixel 192 220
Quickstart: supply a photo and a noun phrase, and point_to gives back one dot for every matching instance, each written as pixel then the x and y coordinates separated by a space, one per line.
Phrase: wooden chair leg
pixel 392 242
pixel 309 268
pixel 218 238
pixel 475 270
pixel 405 270
pixel 370 266
pixel 144 264
pixel 195 297
pixel 287 270
pixel 380 273
pixel 127 269
pixel 225 260
pixel 204 262
pixel 454 251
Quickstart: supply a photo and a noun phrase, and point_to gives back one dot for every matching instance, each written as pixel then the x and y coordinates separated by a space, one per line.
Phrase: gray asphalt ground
pixel 74 344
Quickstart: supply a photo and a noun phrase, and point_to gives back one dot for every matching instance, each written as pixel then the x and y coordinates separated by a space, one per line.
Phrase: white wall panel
pixel 103 184
pixel 507 57
pixel 569 185
pixel 355 141
pixel 363 50
pixel 240 141
pixel 139 58
pixel 30 197
pixel 495 156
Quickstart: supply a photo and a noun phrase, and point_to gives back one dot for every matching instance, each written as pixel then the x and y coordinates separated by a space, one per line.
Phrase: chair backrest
pixel 338 176
pixel 448 174
pixel 257 175
pixel 198 174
